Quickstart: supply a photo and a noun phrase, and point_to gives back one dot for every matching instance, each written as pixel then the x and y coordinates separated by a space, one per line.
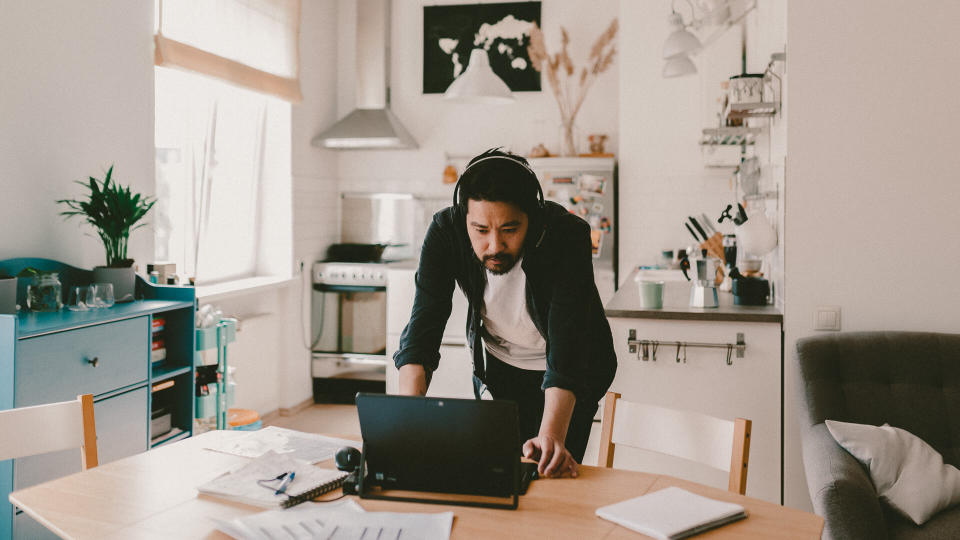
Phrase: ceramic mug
pixel 651 294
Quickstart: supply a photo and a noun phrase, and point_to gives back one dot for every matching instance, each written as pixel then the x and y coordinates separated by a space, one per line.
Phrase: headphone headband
pixel 540 200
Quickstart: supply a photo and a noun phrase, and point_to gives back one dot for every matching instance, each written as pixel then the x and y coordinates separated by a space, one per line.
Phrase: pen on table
pixel 286 482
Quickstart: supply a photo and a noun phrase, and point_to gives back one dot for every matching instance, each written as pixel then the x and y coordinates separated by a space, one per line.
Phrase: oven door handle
pixel 359 361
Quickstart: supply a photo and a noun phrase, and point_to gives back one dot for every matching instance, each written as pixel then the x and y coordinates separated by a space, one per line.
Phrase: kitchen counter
pixel 676 298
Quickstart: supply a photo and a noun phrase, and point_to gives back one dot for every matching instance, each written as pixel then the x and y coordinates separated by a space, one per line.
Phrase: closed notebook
pixel 255 483
pixel 671 513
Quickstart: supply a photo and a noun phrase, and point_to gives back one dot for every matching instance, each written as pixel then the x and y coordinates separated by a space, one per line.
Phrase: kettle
pixel 756 236
pixel 703 290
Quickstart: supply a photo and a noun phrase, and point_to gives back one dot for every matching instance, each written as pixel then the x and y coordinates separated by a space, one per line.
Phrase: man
pixel 526 268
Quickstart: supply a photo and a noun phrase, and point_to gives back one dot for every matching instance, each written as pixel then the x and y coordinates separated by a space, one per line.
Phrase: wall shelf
pixel 729 136
pixel 752 110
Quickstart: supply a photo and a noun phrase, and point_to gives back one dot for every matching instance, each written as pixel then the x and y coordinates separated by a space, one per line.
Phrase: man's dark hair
pixel 499 176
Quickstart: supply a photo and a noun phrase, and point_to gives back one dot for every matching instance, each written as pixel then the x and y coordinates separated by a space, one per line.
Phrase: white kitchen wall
pixel 872 175
pixel 76 95
pixel 662 174
pixel 466 129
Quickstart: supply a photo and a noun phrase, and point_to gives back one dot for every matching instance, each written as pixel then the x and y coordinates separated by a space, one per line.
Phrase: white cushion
pixel 907 472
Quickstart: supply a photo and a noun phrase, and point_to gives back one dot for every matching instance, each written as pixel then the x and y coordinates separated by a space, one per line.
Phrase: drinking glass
pixel 80 298
pixel 103 297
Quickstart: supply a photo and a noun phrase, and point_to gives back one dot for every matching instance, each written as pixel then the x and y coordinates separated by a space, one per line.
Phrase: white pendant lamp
pixel 678 66
pixel 478 83
pixel 680 41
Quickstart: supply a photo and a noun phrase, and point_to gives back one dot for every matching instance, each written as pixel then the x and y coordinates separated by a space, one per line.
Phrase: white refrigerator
pixel 587 187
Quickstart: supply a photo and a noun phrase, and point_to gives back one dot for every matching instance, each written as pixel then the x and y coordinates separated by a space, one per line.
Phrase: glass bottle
pixel 44 294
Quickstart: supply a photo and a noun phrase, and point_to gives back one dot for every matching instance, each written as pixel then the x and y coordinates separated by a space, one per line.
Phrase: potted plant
pixel 113 211
pixel 8 293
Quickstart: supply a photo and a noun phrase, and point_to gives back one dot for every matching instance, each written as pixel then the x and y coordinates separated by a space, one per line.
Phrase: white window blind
pixel 250 43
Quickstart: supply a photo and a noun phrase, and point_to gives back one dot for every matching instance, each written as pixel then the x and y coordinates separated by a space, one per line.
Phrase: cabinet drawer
pixel 57 367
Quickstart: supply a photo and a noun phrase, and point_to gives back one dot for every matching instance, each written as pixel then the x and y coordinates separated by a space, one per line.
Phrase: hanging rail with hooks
pixel 646 349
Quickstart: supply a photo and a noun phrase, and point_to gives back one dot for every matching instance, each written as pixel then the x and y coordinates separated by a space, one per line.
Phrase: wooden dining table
pixel 153 495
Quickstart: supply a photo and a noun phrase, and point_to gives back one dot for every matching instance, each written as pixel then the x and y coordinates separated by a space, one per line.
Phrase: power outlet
pixel 827 318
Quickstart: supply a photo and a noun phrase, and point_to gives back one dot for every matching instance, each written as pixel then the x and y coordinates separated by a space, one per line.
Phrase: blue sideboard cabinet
pixel 51 357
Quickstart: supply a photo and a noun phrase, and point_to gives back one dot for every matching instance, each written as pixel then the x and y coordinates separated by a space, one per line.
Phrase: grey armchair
pixel 910 380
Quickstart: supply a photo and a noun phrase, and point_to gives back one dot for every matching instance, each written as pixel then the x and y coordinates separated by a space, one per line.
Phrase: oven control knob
pixel 379 276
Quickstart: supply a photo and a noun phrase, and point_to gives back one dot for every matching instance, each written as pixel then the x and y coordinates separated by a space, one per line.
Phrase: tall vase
pixel 568 138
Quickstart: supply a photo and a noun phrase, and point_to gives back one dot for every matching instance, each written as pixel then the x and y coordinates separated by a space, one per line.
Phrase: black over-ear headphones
pixel 532 176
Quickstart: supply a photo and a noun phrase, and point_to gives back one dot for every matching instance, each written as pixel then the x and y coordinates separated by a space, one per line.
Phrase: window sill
pixel 242 287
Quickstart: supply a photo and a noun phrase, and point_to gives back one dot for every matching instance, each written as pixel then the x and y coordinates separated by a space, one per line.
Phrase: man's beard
pixel 504 262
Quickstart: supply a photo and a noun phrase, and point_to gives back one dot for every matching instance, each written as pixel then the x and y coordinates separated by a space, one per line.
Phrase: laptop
pixel 442 445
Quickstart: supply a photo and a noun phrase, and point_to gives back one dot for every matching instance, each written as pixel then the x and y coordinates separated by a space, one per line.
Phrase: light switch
pixel 827 318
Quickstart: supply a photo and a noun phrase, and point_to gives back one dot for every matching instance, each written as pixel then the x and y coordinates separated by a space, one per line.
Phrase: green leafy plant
pixel 113 211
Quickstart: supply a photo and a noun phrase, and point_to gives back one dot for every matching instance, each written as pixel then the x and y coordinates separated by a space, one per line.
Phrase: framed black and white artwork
pixel 451 32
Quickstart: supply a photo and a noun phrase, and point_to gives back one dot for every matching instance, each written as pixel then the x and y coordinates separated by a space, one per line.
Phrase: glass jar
pixel 44 294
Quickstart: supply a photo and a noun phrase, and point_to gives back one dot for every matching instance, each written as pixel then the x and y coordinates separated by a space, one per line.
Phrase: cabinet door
pixel 747 388
pixel 58 367
pixel 454 377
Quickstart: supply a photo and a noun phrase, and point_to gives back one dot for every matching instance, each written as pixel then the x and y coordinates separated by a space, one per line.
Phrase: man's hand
pixel 552 456
pixel 413 380
pixel 547 447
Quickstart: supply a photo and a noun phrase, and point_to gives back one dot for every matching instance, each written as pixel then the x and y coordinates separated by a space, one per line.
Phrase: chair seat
pixel 943 526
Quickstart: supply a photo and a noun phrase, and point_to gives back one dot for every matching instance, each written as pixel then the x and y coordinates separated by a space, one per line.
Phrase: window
pixel 223 136
pixel 223 178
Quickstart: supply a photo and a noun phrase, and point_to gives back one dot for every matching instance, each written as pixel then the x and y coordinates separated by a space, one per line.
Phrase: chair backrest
pixel 715 442
pixel 910 380
pixel 29 431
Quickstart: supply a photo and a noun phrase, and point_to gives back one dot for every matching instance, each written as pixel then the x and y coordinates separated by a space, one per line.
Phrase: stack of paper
pixel 306 446
pixel 342 521
pixel 671 513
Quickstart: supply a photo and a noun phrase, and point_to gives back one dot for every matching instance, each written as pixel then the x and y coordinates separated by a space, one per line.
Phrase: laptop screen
pixel 440 445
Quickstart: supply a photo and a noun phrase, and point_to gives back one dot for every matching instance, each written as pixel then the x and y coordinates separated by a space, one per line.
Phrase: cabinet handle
pixel 95 361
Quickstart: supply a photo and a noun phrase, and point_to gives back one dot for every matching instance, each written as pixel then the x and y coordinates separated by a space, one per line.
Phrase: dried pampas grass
pixel 569 89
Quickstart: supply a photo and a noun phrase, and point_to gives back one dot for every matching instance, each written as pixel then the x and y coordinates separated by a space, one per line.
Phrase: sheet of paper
pixel 344 521
pixel 306 446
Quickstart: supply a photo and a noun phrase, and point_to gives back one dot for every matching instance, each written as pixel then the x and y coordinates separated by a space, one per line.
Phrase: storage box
pixel 207 337
pixel 160 423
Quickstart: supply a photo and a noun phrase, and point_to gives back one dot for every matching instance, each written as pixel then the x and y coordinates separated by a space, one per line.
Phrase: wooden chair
pixel 29 431
pixel 718 443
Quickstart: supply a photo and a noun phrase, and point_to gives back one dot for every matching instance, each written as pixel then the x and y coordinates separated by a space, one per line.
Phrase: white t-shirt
pixel 509 332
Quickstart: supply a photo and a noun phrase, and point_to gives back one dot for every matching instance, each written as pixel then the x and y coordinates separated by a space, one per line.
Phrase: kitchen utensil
pixel 730 250
pixel 699 229
pixel 695 237
pixel 703 290
pixel 707 225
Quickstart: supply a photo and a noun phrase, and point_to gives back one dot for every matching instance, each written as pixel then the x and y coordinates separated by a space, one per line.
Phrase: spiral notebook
pixel 257 482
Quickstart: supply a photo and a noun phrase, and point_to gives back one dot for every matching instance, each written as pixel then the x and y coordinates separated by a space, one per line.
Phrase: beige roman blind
pixel 250 43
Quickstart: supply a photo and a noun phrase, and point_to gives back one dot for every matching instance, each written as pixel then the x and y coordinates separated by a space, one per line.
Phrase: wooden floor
pixel 342 420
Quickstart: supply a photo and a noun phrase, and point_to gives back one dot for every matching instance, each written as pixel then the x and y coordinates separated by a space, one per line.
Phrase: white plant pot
pixel 8 296
pixel 123 280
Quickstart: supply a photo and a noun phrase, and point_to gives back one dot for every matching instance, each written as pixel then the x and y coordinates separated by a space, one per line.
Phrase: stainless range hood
pixel 372 125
